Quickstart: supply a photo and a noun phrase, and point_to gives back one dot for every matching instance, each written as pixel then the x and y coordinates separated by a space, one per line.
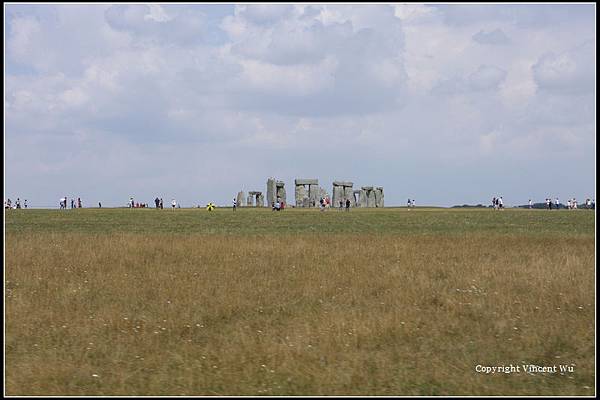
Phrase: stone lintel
pixel 306 182
pixel 342 183
pixel 367 188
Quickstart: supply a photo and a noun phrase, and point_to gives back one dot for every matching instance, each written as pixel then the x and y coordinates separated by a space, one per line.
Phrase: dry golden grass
pixel 344 314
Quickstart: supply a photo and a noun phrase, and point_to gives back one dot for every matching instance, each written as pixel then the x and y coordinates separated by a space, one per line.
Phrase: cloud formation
pixel 443 103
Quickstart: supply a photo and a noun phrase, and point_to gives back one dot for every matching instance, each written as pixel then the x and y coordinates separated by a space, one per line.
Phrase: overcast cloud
pixel 446 104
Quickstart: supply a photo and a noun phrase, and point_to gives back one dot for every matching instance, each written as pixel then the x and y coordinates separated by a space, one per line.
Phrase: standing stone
pixel 355 198
pixel 280 191
pixel 363 198
pixel 379 196
pixel 240 199
pixel 371 198
pixel 313 195
pixel 300 195
pixel 250 201
pixel 349 195
pixel 271 191
pixel 260 200
pixel 338 194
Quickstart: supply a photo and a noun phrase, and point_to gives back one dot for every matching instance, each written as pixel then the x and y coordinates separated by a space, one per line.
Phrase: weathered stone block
pixel 306 182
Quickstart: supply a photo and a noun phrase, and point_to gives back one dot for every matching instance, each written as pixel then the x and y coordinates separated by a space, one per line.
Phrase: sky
pixel 444 104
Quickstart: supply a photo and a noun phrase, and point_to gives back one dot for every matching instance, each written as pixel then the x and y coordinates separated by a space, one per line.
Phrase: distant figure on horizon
pixel 161 203
pixel 500 203
pixel 72 203
pixel 234 204
pixel 173 204
pixel 530 204
pixel 99 205
pixel 556 203
pixel 25 203
pixel 347 204
pixel 79 202
pixel 408 204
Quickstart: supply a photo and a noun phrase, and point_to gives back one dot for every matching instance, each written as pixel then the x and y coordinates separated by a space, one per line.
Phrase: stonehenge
pixel 275 191
pixel 308 193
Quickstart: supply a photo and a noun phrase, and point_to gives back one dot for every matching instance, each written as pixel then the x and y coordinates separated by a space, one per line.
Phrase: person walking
pixel 530 204
pixel 173 204
pixel 25 203
pixel 234 204
pixel 556 203
pixel 347 205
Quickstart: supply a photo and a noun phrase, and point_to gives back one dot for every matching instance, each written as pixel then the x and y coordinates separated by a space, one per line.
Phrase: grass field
pixel 300 302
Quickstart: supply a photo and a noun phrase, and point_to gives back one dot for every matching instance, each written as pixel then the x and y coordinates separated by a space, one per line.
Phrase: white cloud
pixel 572 71
pixel 486 78
pixel 495 37
pixel 359 91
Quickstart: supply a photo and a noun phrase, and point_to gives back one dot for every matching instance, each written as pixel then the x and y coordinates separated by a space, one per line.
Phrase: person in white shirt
pixel 234 204
pixel 530 204
pixel 173 204
pixel 556 203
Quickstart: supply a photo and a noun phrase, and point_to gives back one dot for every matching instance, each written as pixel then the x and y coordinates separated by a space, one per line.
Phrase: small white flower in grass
pixel 95 375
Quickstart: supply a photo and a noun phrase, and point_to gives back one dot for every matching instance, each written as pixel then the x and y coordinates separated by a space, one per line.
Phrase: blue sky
pixel 446 104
